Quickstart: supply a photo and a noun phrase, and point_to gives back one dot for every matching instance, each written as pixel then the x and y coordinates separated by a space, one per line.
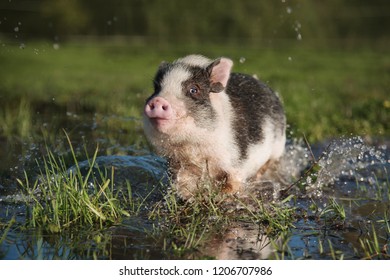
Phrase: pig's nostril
pixel 158 108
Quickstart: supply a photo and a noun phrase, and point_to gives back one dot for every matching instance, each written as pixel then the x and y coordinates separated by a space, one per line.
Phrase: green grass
pixel 63 198
pixel 66 200
pixel 5 228
pixel 185 227
pixel 326 93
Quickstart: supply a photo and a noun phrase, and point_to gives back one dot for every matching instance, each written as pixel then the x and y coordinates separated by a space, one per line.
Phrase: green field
pixel 326 92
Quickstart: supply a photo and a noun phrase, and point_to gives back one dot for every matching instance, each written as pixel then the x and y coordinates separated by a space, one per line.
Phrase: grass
pixel 16 120
pixel 64 201
pixel 185 227
pixel 326 92
pixel 5 228
pixel 63 198
pixel 373 249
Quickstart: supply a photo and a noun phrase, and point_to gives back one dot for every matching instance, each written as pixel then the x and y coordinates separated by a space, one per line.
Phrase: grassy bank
pixel 326 93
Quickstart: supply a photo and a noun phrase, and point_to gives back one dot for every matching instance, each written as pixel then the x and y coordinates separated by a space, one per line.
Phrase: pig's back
pixel 254 105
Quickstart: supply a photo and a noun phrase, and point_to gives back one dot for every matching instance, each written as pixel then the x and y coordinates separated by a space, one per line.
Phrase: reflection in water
pixel 242 241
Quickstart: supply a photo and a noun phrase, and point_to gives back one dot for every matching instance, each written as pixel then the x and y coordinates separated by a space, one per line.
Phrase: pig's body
pixel 209 122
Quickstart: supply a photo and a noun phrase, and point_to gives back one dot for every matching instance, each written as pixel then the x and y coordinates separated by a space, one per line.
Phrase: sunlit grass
pixel 63 198
pixel 334 210
pixel 79 199
pixel 188 226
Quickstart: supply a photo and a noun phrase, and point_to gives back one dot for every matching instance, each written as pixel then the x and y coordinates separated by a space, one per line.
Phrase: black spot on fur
pixel 163 69
pixel 253 102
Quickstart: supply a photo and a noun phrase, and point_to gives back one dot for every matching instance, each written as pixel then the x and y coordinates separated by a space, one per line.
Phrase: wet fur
pixel 226 134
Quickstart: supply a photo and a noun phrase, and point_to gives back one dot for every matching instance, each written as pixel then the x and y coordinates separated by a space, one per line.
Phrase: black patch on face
pixel 197 95
pixel 163 69
pixel 253 102
pixel 195 92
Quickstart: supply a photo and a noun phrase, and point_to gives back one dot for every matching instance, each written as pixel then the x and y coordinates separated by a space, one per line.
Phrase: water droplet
pixel 289 10
pixel 242 59
pixel 16 29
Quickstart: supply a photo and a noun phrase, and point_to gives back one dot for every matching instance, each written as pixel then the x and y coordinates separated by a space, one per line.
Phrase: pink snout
pixel 158 108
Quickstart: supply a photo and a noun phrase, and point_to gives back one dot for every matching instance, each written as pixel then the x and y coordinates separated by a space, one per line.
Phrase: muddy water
pixel 348 171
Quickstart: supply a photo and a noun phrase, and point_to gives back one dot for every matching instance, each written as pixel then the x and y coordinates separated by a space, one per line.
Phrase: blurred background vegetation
pixel 247 21
pixel 329 60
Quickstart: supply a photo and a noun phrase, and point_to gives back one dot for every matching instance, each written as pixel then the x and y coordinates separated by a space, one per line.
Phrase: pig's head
pixel 186 100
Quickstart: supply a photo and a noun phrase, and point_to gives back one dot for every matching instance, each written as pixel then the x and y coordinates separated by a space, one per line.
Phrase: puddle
pixel 348 172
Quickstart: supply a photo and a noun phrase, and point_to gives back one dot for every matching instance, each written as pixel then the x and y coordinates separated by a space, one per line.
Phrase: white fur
pixel 271 148
pixel 223 145
pixel 198 147
pixel 195 60
pixel 172 83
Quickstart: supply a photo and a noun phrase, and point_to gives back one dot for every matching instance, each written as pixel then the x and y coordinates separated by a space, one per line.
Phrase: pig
pixel 209 122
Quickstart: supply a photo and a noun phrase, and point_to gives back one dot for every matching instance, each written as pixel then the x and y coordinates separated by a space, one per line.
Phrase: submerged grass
pixel 5 228
pixel 372 248
pixel 63 198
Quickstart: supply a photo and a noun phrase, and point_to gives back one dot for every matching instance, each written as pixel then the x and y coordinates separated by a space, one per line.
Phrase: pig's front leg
pixel 190 180
pixel 228 182
pixel 186 182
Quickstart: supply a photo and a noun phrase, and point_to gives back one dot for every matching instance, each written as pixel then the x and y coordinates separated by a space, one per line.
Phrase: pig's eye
pixel 193 91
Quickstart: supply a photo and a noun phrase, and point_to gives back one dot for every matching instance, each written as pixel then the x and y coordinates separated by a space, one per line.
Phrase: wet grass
pixel 184 227
pixel 76 203
pixel 327 93
pixel 63 198
pixel 5 228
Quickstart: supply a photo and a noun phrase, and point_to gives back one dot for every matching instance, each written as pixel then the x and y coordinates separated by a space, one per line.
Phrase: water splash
pixel 283 173
pixel 346 160
pixel 343 162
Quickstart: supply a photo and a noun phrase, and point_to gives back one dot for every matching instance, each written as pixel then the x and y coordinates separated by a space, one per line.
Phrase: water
pixel 345 172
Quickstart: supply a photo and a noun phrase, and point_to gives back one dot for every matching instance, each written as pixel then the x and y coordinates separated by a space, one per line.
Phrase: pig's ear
pixel 163 65
pixel 219 71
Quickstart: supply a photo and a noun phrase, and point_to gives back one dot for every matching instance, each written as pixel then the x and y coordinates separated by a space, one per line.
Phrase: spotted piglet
pixel 211 123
